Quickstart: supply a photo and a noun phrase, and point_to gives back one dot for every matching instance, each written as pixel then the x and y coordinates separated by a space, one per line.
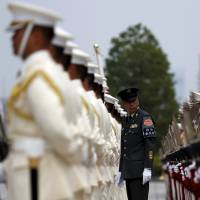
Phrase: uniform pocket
pixel 134 169
pixel 133 130
pixel 137 157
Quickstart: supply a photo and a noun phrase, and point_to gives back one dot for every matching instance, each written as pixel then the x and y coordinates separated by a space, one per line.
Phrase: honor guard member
pixel 38 130
pixel 109 102
pixel 137 147
pixel 99 141
pixel 77 71
pixel 104 129
pixel 115 192
pixel 95 142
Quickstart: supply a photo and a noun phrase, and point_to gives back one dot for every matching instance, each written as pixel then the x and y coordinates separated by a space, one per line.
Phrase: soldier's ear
pixel 39 37
pixel 36 38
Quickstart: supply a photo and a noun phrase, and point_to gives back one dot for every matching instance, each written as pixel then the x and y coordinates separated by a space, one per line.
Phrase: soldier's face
pixel 73 72
pixel 131 106
pixel 36 41
pixel 86 84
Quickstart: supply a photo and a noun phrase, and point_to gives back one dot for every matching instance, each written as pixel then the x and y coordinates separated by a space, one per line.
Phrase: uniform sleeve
pixel 149 135
pixel 48 113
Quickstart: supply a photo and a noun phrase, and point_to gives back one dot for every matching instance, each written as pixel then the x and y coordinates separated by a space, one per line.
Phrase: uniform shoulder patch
pixel 148 127
pixel 148 122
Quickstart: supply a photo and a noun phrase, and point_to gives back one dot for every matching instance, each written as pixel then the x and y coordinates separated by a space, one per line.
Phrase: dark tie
pixel 130 118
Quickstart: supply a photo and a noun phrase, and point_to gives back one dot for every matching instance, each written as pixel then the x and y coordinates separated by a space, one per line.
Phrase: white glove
pixel 119 180
pixel 146 175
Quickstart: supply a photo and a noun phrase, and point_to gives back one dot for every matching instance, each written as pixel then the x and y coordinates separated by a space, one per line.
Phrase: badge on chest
pixel 133 126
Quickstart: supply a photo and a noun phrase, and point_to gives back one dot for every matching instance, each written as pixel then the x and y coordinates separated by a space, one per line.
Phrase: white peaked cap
pixel 195 96
pixel 24 13
pixel 69 46
pixel 98 79
pixel 92 68
pixel 117 106
pixel 79 57
pixel 61 36
pixel 110 99
pixel 120 109
pixel 123 113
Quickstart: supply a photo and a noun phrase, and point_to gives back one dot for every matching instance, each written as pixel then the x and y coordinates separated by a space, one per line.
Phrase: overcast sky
pixel 175 23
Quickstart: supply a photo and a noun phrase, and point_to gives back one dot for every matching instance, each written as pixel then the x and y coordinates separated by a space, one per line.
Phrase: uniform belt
pixel 33 147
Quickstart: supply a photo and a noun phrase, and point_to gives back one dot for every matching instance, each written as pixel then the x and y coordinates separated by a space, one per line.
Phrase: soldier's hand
pixel 146 175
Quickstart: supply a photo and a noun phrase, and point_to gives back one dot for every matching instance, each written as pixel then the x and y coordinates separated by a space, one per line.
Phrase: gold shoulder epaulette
pixel 22 87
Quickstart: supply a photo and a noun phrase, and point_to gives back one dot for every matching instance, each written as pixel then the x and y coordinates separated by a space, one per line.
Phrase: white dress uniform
pixel 105 129
pixel 119 193
pixel 80 57
pixel 100 146
pixel 85 130
pixel 38 126
pixel 95 140
pixel 97 137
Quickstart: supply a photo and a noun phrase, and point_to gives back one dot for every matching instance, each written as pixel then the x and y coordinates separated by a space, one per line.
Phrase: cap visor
pixel 130 99
pixel 13 28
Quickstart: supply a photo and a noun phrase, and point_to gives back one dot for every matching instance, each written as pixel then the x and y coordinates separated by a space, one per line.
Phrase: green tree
pixel 136 59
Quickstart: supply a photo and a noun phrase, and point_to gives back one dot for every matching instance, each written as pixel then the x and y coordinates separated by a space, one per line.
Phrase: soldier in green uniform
pixel 137 146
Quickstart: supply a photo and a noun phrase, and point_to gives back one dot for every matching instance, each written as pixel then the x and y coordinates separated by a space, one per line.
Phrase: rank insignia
pixel 133 126
pixel 151 155
pixel 129 91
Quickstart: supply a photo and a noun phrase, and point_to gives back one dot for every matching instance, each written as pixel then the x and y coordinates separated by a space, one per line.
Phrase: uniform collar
pixel 77 83
pixel 91 93
pixel 135 113
pixel 34 59
pixel 38 55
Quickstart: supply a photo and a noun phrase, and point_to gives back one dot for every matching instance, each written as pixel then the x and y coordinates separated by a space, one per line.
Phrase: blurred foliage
pixel 137 60
pixel 157 169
